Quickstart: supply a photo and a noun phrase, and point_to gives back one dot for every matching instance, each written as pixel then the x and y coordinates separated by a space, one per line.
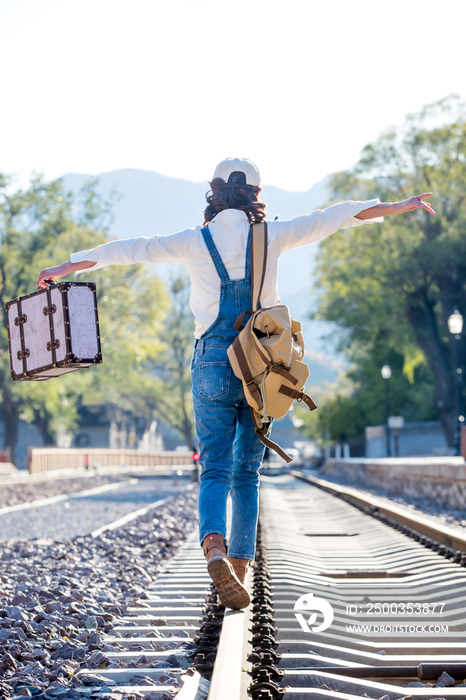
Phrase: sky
pixel 174 86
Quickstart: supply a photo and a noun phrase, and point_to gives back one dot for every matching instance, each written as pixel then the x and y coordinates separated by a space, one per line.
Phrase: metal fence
pixel 47 459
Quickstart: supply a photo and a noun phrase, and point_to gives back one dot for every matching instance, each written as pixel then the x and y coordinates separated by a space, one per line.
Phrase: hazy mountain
pixel 150 203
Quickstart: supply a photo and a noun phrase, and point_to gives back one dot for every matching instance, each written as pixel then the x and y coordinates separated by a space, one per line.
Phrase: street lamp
pixel 386 374
pixel 455 326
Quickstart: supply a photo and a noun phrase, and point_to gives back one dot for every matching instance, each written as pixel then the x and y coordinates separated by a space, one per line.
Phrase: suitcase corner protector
pixel 70 357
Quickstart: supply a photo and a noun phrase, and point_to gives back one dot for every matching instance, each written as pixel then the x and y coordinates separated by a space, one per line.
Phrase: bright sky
pixel 176 85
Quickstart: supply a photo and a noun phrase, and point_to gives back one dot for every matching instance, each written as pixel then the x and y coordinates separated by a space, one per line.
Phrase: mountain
pixel 149 203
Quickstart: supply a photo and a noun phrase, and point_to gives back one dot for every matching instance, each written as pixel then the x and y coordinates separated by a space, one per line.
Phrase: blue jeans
pixel 230 451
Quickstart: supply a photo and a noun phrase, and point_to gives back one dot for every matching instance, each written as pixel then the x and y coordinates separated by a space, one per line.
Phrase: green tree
pixel 163 389
pixel 39 227
pixel 358 399
pixel 391 287
pixel 172 370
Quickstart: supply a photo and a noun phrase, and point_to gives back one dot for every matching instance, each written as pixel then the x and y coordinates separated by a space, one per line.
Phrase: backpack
pixel 268 353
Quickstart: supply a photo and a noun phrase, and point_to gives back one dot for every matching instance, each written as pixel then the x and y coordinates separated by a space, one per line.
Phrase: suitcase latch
pixel 22 354
pixel 53 344
pixel 49 309
pixel 20 319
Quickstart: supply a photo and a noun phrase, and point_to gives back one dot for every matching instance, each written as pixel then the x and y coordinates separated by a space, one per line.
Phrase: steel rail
pixel 232 652
pixel 316 543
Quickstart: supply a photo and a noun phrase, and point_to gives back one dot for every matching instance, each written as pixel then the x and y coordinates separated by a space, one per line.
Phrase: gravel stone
pixel 91 623
pixel 51 589
pixel 7 661
pixel 173 661
pixel 15 613
pixel 94 639
pixel 446 679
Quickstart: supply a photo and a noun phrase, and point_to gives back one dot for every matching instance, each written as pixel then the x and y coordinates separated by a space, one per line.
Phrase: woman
pixel 217 259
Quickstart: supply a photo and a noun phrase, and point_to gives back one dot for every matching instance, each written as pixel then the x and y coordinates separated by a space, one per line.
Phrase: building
pixel 421 439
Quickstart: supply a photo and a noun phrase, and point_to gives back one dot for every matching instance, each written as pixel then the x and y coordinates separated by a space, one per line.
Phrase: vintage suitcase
pixel 53 331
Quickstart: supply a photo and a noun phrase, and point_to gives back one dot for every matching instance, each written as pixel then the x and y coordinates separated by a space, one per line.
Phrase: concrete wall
pixel 440 478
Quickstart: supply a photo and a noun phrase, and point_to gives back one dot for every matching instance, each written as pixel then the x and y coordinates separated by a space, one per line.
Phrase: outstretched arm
pixel 397 207
pixel 66 268
pixel 127 251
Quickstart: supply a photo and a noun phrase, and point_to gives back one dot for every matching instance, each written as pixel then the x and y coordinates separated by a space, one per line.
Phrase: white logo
pixel 307 603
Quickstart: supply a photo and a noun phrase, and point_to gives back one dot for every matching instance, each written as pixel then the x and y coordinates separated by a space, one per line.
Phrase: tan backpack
pixel 268 353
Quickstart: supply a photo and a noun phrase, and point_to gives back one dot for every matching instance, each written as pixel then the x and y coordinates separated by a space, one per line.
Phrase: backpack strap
pixel 259 240
pixel 247 374
pixel 261 430
pixel 298 396
pixel 273 446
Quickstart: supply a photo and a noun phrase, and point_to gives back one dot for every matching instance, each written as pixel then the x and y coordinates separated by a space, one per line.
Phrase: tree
pixel 392 287
pixel 163 389
pixel 357 400
pixel 39 227
pixel 172 370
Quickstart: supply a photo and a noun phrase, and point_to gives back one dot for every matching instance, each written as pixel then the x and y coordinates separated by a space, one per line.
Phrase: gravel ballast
pixel 13 494
pixel 58 600
pixel 81 516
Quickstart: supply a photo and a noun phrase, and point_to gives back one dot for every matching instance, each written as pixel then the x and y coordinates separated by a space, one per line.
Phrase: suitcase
pixel 53 331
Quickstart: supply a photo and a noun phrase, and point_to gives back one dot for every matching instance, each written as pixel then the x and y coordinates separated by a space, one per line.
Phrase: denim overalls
pixel 230 451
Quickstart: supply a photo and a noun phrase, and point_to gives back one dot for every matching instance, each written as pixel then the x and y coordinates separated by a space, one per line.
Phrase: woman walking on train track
pixel 216 256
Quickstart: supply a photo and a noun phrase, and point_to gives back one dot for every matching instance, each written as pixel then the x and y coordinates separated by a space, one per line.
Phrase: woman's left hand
pixel 417 203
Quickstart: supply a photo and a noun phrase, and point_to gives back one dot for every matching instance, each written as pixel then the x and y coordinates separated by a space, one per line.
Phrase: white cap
pixel 231 166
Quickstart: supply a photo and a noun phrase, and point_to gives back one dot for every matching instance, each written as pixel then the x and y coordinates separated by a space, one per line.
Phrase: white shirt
pixel 229 231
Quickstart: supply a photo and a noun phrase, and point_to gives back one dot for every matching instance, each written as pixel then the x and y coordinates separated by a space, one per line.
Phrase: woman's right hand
pixel 66 268
pixel 52 273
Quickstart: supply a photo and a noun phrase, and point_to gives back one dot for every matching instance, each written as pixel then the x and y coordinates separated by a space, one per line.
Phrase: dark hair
pixel 226 195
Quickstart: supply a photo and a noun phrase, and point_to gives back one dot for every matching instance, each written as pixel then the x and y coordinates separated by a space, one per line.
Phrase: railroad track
pixel 160 631
pixel 338 560
pixel 316 543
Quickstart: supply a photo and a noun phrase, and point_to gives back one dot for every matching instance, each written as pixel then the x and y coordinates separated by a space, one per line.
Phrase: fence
pixel 46 459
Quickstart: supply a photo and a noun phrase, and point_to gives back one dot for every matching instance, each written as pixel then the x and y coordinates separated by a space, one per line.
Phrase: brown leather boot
pixel 240 567
pixel 230 590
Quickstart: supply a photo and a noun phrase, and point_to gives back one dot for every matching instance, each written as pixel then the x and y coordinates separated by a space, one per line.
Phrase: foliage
pixel 39 227
pixel 358 399
pixel 172 370
pixel 391 287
